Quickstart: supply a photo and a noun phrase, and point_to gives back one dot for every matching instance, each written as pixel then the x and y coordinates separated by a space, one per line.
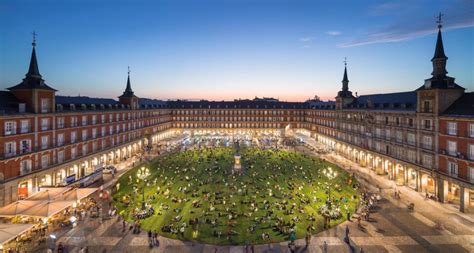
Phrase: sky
pixel 230 49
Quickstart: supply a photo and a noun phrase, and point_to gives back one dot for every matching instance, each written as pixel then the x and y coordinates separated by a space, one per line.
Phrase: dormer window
pixel 427 84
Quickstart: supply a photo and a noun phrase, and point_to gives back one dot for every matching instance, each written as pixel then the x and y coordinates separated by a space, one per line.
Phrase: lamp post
pixel 142 174
pixel 330 174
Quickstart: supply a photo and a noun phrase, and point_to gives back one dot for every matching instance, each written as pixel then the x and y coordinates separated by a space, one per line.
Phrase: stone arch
pixel 428 184
pixel 400 174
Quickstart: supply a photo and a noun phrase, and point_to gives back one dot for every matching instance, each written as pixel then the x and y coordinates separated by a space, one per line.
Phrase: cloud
pixel 306 39
pixel 413 27
pixel 333 33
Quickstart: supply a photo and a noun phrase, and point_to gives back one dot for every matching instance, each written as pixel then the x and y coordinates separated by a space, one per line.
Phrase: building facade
pixel 422 139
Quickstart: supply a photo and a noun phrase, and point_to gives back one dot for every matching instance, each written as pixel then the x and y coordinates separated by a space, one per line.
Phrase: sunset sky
pixel 229 49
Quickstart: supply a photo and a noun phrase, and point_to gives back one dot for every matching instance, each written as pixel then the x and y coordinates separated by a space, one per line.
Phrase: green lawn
pixel 281 178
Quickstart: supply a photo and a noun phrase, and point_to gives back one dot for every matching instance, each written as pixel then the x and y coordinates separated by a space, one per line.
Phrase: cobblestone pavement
pixel 392 228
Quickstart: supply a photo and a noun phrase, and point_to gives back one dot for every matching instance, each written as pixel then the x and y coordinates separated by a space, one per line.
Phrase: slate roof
pixel 237 104
pixel 78 100
pixel 464 106
pixel 388 101
pixel 8 102
pixel 151 103
pixel 328 105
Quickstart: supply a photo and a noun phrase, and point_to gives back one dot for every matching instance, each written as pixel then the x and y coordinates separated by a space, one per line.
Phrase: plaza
pixel 235 133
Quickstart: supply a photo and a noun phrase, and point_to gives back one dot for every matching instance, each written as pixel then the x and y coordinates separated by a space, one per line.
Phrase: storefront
pixel 23 190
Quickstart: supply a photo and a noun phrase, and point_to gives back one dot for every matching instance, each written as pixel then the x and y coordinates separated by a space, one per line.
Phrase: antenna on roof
pixel 440 21
pixel 34 38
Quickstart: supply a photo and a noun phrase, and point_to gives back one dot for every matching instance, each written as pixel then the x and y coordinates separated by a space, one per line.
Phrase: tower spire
pixel 345 80
pixel 33 70
pixel 345 92
pixel 128 89
pixel 439 59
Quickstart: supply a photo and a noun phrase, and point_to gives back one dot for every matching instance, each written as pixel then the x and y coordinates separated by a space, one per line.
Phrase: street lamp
pixel 142 174
pixel 330 174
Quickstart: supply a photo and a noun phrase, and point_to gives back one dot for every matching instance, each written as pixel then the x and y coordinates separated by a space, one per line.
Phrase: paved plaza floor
pixel 392 228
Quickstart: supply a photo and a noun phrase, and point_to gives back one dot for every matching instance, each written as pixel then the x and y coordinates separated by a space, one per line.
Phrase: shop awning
pixel 77 194
pixel 8 232
pixel 18 207
pixel 46 209
pixel 48 193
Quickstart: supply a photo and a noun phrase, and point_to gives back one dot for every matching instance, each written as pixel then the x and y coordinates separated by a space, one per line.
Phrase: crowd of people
pixel 194 195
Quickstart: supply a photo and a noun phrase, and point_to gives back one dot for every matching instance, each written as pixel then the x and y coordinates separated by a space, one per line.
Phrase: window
pixel 410 122
pixel 84 120
pixel 427 124
pixel 73 137
pixel 25 146
pixel 426 106
pixel 73 153
pixel 25 126
pixel 84 149
pixel 10 149
pixel 60 139
pixel 84 134
pixel 111 118
pixel 471 174
pixel 471 152
pixel 452 128
pixel 471 130
pixel 427 142
pixel 44 161
pixel 25 167
pixel 452 148
pixel 61 156
pixel 44 142
pixel 94 119
pixel 411 156
pixel 397 120
pixel 44 105
pixel 94 133
pixel 453 169
pixel 45 124
pixel 10 127
pixel 103 131
pixel 73 121
pixel 60 122
pixel 399 136
pixel 102 118
pixel 411 139
pixel 427 162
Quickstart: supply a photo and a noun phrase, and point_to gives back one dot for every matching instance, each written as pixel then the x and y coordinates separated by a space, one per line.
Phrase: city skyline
pixel 220 52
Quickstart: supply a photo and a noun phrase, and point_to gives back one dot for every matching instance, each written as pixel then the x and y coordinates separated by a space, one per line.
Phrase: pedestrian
pixel 308 239
pixel 325 247
pixel 347 234
pixel 361 250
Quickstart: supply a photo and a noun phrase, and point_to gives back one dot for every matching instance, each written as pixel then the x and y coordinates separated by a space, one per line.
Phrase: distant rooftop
pixel 389 101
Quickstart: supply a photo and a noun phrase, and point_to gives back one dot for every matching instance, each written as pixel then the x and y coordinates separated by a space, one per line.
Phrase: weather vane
pixel 128 70
pixel 439 21
pixel 34 38
pixel 345 61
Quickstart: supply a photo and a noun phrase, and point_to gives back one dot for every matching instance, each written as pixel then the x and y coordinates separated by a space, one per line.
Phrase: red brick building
pixel 422 139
